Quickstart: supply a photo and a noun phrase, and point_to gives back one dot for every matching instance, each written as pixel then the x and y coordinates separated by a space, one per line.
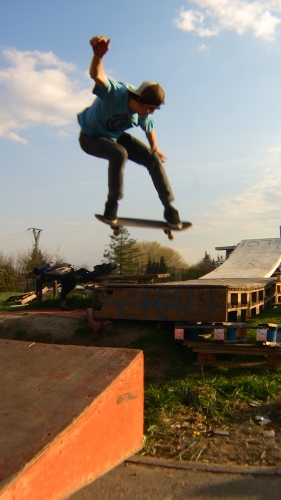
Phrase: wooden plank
pixel 247 352
pixel 22 298
pixel 126 277
pixel 68 414
pixel 138 278
pixel 242 352
pixel 207 354
pixel 28 299
pixel 230 284
pixel 235 364
pixel 235 348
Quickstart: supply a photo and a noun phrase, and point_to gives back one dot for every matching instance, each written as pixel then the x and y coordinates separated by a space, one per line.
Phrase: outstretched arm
pixel 100 46
pixel 151 137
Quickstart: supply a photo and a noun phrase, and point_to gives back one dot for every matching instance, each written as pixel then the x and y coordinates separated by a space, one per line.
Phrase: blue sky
pixel 219 62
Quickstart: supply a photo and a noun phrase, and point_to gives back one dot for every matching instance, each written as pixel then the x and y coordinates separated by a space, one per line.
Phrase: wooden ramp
pixel 250 259
pixel 68 414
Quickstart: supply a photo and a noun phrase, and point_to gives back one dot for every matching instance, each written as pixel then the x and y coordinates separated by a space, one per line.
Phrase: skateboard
pixel 152 224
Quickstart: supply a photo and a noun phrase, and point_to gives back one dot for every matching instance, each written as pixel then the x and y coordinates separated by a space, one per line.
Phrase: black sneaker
pixel 172 217
pixel 110 212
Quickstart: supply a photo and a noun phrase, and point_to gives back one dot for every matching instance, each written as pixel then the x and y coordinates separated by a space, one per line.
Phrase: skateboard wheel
pixel 116 232
pixel 170 236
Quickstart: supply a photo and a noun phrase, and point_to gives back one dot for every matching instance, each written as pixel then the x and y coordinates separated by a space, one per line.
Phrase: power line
pixel 22 234
pixel 15 236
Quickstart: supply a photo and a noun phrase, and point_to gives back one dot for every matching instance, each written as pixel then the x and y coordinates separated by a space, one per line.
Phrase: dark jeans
pixel 117 153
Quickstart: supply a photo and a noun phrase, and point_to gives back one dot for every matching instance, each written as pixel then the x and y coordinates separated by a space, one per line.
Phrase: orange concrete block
pixel 68 414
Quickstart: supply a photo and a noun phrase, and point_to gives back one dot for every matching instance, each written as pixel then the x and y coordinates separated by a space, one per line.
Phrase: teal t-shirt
pixel 109 114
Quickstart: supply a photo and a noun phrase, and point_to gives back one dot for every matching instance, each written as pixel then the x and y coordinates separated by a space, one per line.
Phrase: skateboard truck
pixel 169 233
pixel 116 229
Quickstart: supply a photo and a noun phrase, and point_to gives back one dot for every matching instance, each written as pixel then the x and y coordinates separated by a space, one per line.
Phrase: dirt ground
pixel 193 437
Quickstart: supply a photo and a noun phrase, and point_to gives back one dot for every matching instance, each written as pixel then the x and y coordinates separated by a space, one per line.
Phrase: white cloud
pixel 275 150
pixel 36 90
pixel 203 48
pixel 62 133
pixel 16 137
pixel 210 17
pixel 254 207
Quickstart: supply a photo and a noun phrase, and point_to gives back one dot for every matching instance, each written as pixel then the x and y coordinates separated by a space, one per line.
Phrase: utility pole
pixel 36 234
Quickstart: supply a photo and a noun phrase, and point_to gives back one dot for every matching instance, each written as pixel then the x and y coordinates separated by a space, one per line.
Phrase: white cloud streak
pixel 36 90
pixel 203 48
pixel 211 17
pixel 255 207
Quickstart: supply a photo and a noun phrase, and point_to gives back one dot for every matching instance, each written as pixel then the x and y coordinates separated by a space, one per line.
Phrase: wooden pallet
pixel 207 353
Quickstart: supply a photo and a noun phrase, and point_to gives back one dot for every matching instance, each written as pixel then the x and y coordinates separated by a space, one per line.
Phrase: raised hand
pixel 100 45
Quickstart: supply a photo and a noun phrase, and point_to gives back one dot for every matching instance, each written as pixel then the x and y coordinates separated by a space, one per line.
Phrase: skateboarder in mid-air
pixel 118 107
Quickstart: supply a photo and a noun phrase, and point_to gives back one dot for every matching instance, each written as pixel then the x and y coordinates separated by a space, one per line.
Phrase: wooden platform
pixel 181 301
pixel 193 300
pixel 207 353
pixel 68 414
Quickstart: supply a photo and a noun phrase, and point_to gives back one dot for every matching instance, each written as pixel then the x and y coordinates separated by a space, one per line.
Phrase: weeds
pixel 216 396
pixel 20 334
pixel 83 329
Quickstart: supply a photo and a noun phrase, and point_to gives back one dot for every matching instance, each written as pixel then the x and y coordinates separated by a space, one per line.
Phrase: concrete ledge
pixel 195 466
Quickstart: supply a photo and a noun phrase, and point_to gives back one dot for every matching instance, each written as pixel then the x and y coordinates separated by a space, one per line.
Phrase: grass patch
pixel 271 315
pixel 214 399
pixel 3 297
pixel 160 335
pixel 219 396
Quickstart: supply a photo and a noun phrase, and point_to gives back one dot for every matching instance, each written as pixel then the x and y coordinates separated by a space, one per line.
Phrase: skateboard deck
pixel 147 223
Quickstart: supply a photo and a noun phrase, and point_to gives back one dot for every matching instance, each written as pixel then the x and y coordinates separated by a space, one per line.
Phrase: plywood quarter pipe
pixel 257 258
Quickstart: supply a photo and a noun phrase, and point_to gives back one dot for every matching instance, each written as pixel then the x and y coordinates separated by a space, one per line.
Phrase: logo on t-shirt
pixel 118 122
